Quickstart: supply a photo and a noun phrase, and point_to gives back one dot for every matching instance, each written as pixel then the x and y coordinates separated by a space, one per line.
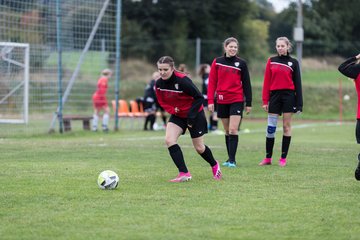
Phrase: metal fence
pixel 84 22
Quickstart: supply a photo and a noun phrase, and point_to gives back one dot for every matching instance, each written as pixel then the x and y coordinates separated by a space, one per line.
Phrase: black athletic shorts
pixel 225 110
pixel 282 101
pixel 149 106
pixel 197 130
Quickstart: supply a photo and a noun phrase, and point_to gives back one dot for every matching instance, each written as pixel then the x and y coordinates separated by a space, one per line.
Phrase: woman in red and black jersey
pixel 229 82
pixel 178 95
pixel 351 68
pixel 282 95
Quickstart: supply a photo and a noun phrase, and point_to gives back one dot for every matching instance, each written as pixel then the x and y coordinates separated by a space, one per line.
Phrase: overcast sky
pixel 279 5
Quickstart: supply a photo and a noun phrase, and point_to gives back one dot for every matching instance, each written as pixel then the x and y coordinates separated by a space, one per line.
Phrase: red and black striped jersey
pixel 352 70
pixel 282 73
pixel 229 78
pixel 179 92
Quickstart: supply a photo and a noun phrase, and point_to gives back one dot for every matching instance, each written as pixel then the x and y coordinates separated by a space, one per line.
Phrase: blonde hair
pixel 106 72
pixel 287 41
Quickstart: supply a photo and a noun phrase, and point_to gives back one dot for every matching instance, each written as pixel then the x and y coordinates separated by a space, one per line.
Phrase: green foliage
pixel 139 46
pixel 179 46
pixel 282 25
pixel 34 34
pixel 49 188
pixel 176 24
pixel 257 37
pixel 333 25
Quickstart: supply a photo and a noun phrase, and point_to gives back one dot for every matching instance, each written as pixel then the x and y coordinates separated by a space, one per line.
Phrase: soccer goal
pixel 14 82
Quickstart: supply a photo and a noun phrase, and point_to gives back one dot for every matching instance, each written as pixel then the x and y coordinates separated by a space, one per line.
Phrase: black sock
pixel 269 147
pixel 215 124
pixel 152 121
pixel 227 145
pixel 164 119
pixel 146 122
pixel 178 158
pixel 233 143
pixel 208 156
pixel 357 173
pixel 285 146
pixel 357 170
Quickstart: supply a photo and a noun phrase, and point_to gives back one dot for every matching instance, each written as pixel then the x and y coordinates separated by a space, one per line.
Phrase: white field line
pixel 248 131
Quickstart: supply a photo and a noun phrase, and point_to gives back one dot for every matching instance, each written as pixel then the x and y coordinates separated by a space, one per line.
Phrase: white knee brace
pixel 271 128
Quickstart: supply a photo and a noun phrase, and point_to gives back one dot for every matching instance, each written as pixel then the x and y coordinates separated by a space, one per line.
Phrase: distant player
pixel 351 68
pixel 100 102
pixel 204 74
pixel 281 95
pixel 150 102
pixel 178 95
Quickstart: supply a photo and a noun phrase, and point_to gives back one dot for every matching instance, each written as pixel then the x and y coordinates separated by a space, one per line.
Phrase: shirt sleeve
pixel 266 84
pixel 212 83
pixel 298 86
pixel 246 83
pixel 349 68
pixel 190 89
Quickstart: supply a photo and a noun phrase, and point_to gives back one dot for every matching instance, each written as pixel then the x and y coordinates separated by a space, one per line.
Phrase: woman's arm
pixel 349 68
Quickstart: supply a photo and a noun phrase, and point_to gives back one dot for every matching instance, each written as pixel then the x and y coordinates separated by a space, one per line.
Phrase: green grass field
pixel 49 190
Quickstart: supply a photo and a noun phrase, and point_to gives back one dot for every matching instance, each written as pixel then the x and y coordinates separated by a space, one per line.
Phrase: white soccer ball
pixel 346 97
pixel 246 130
pixel 108 180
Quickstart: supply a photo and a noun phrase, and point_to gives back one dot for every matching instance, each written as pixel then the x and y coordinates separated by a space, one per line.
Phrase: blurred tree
pixel 177 23
pixel 330 27
pixel 340 25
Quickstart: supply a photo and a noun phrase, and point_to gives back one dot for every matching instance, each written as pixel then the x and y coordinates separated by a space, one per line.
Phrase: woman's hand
pixel 247 110
pixel 265 107
pixel 211 107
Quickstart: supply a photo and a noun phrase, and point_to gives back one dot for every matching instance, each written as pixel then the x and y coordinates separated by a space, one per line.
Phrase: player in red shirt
pixel 282 95
pixel 178 95
pixel 351 69
pixel 229 81
pixel 100 102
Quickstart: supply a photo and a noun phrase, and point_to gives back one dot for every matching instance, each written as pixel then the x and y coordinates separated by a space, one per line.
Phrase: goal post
pixel 14 82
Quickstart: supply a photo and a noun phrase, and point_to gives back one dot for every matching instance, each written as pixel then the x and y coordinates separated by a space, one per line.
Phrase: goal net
pixel 14 82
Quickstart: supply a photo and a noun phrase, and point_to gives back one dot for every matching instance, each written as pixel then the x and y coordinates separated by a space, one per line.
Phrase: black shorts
pixel 225 110
pixel 282 101
pixel 149 106
pixel 198 129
